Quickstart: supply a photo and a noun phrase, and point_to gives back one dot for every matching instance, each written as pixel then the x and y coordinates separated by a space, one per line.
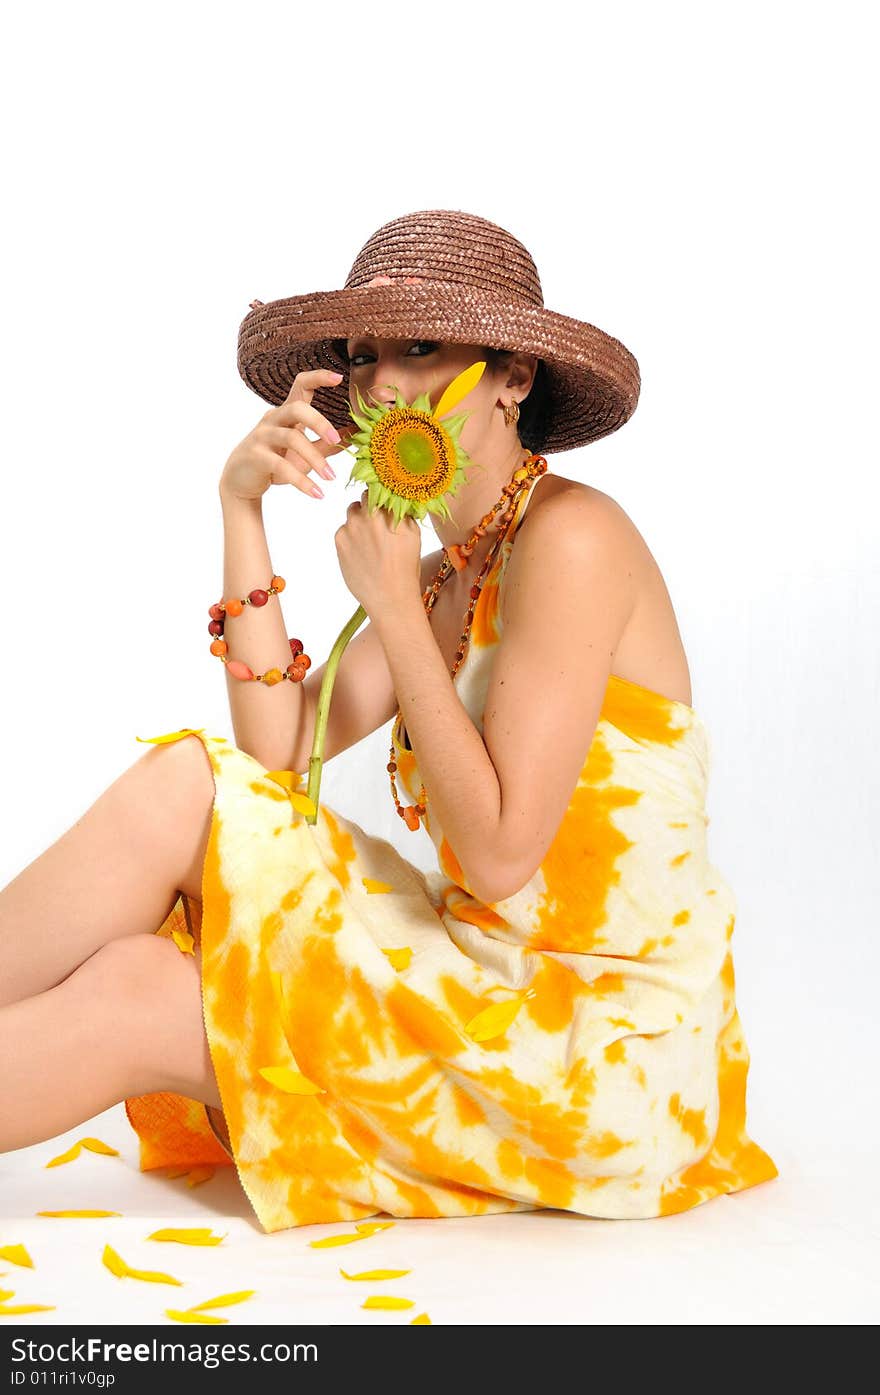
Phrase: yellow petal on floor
pixel 170 736
pixel 8 1311
pixel 176 1172
pixel 79 1214
pixel 118 1266
pixel 192 1235
pixel 493 1020
pixel 95 1145
pixel 16 1254
pixel 293 1082
pixel 191 1316
pixel 421 1321
pixel 384 1301
pixel 6 1293
pixel 377 1274
pixel 198 1175
pixel 184 941
pixel 373 885
pixel 398 958
pixel 330 1240
pixel 67 1157
pixel 367 1227
pixel 224 1301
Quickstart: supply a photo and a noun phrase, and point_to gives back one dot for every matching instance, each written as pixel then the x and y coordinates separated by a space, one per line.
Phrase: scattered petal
pixel 288 779
pixel 16 1254
pixel 493 1020
pixel 384 1301
pixel 197 1175
pixel 176 1172
pixel 224 1301
pixel 170 736
pixel 7 1311
pixel 193 1235
pixel 367 1227
pixel 302 803
pixel 421 1320
pixel 373 885
pixel 117 1265
pixel 79 1213
pixel 398 958
pixel 326 1243
pixel 95 1145
pixel 377 1274
pixel 293 1082
pixel 67 1157
pixel 190 1316
pixel 6 1293
pixel 184 941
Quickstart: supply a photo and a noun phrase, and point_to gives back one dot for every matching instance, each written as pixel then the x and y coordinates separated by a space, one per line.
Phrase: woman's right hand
pixel 278 451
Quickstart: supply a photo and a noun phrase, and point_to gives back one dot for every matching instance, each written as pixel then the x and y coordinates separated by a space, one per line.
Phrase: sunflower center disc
pixel 416 453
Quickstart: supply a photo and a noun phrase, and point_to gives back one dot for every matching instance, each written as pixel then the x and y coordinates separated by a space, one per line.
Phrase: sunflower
pixel 409 460
pixel 407 456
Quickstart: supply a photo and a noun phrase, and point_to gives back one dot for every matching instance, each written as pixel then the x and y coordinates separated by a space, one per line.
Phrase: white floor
pixel 802 1248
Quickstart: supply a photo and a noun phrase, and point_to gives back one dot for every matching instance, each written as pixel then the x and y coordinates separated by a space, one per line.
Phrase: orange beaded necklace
pixel 456 557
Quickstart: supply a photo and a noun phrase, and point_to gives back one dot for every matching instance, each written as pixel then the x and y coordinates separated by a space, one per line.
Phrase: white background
pixel 698 181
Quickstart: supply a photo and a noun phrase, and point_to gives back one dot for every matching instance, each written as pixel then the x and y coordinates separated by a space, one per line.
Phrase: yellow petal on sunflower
pixel 7 1311
pixel 16 1254
pixel 170 736
pixel 95 1145
pixel 377 1274
pixel 189 1316
pixel 376 886
pixel 302 803
pixel 292 1082
pixel 385 1301
pixel 191 1235
pixel 224 1301
pixel 331 1240
pixel 368 1227
pixel 197 1175
pixel 118 1266
pixel 184 941
pixel 459 388
pixel 421 1321
pixel 79 1214
pixel 493 1020
pixel 398 958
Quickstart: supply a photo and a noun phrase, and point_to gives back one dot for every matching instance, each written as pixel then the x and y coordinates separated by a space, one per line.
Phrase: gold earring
pixel 511 414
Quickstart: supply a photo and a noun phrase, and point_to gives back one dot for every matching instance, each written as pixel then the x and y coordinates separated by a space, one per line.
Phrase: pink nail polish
pixel 319 493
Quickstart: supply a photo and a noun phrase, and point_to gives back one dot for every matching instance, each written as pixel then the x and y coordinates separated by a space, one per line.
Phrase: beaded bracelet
pixel 295 671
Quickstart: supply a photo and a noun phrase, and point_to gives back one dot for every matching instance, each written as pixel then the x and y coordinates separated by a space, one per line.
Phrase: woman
pixel 548 1019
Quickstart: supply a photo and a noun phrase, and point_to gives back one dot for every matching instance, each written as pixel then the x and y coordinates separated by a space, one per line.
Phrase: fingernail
pixel 329 471
pixel 319 493
pixel 333 435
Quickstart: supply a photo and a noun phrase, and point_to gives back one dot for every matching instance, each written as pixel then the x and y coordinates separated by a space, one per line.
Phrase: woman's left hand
pixel 381 566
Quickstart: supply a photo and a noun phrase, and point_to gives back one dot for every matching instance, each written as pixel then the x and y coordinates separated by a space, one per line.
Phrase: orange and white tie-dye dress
pixel 384 1041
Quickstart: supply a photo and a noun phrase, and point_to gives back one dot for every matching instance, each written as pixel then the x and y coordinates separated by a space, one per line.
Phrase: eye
pixel 429 345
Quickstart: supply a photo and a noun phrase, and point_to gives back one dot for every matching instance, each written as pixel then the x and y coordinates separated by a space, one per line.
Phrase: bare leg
pixel 116 872
pixel 126 1022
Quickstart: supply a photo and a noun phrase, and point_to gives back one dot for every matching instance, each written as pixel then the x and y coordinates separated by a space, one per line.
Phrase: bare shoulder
pixel 563 511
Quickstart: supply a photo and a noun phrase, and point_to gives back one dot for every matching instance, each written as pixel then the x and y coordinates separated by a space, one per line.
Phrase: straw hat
pixel 446 275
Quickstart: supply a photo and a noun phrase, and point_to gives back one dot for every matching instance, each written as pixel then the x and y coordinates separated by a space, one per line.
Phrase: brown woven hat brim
pixel 594 380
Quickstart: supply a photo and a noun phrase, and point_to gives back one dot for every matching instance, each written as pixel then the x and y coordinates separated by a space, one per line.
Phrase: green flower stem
pixel 323 709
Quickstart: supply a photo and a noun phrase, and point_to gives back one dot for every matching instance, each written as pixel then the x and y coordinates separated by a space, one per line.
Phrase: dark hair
pixel 534 410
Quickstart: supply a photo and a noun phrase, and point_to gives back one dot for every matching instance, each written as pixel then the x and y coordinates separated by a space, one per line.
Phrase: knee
pixel 183 765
